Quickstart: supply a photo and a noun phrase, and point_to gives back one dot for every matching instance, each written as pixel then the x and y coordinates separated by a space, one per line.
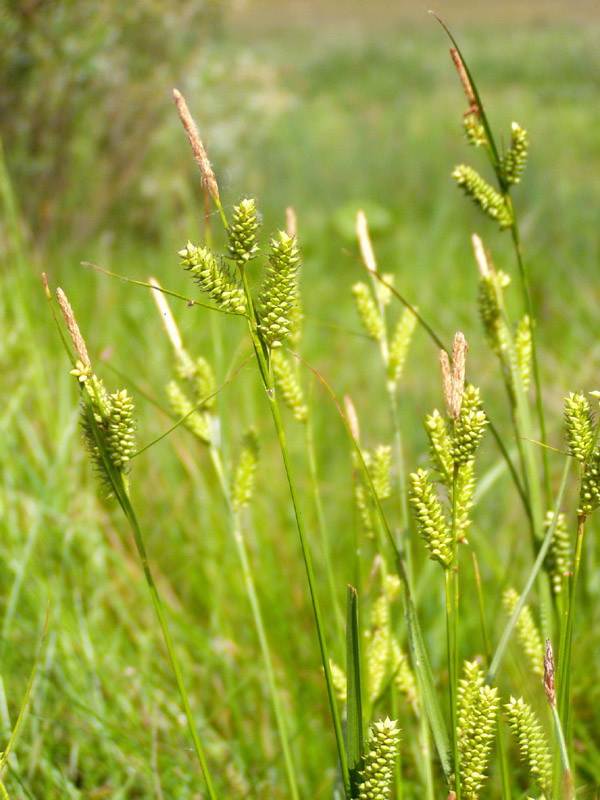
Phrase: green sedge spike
pixel 580 426
pixel 364 512
pixel 469 427
pixel 404 677
pixel 391 586
pixel 559 560
pixel 464 488
pixel 200 376
pixel 399 345
pixel 213 279
pixel 245 471
pixel 383 292
pixel 279 292
pixel 527 632
pixel 381 471
pixel 195 420
pixel 430 518
pixel 485 196
pixel 477 712
pixel 533 744
pixel 589 491
pixel 513 162
pixel 340 683
pixel 440 446
pixel 242 233
pixel 288 384
pixel 474 130
pixel 368 311
pixel 378 768
pixel 524 350
pixel 378 647
pixel 491 287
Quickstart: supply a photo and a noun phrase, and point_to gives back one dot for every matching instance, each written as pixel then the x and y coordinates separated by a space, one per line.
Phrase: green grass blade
pixel 355 746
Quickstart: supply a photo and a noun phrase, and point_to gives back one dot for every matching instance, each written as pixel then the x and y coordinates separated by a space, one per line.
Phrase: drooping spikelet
pixel 430 518
pixel 491 287
pixel 368 311
pixel 559 560
pixel 477 712
pixel 512 163
pixel 381 471
pixel 213 279
pixel 533 744
pixel 279 292
pixel 242 233
pixel 527 632
pixel 288 384
pixel 485 196
pixel 378 768
pixel 580 426
pixel 399 345
pixel 245 471
pixel 469 427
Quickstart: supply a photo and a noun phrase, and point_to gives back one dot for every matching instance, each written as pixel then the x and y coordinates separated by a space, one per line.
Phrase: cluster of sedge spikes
pixel 582 436
pixel 510 166
pixel 378 767
pixel 277 306
pixel 532 742
pixel 453 445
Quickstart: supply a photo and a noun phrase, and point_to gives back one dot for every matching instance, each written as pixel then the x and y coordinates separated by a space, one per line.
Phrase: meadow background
pixel 327 107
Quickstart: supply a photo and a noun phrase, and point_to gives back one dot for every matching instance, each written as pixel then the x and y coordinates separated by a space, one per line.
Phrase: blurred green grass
pixel 327 118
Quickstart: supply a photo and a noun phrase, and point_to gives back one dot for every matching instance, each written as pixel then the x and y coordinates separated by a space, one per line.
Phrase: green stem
pixel 240 544
pixel 452 687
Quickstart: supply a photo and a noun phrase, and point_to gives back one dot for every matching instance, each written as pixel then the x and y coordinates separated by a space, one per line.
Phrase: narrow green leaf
pixel 354 697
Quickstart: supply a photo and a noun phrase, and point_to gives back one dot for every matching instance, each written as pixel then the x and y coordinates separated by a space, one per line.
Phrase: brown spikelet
pixel 549 674
pixel 73 327
pixel 466 83
pixel 366 248
pixel 446 379
pixel 352 418
pixel 291 223
pixel 208 176
pixel 459 353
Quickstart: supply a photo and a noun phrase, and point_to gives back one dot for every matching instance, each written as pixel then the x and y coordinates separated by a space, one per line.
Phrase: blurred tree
pixel 83 88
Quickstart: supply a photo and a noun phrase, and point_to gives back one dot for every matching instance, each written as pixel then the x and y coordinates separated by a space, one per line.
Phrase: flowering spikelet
pixel 527 632
pixel 340 683
pixel 378 767
pixel 245 471
pixel 399 345
pixel 383 292
pixel 532 741
pixel 477 711
pixel 469 427
pixel 524 350
pixel 580 426
pixel 368 311
pixel 279 291
pixel 474 130
pixel 378 646
pixel 213 279
pixel 243 244
pixel 403 675
pixel 491 287
pixel 483 195
pixel 440 446
pixel 512 163
pixel 199 375
pixel 430 518
pixel 559 558
pixel 380 472
pixel 195 420
pixel 288 384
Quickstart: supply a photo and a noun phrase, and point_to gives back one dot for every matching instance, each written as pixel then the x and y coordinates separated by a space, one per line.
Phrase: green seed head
pixel 243 480
pixel 213 279
pixel 514 160
pixel 368 311
pixel 559 561
pixel 483 195
pixel 580 426
pixel 279 293
pixel 288 384
pixel 527 632
pixel 533 744
pixel 431 522
pixel 243 242
pixel 379 762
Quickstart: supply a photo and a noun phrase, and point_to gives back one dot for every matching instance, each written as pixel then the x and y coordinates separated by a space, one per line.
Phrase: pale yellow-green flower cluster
pixel 533 743
pixel 378 767
pixel 559 560
pixel 213 278
pixel 582 436
pixel 242 233
pixel 527 632
pixel 286 380
pixel 513 161
pixel 490 201
pixel 278 295
pixel 245 471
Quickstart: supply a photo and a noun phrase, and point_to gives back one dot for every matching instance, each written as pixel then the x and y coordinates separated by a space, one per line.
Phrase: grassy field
pixel 295 110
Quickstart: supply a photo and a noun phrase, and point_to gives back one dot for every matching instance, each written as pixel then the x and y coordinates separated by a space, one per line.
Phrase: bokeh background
pixel 327 107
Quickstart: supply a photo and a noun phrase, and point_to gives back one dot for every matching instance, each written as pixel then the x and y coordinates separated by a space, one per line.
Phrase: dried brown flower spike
pixel 208 176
